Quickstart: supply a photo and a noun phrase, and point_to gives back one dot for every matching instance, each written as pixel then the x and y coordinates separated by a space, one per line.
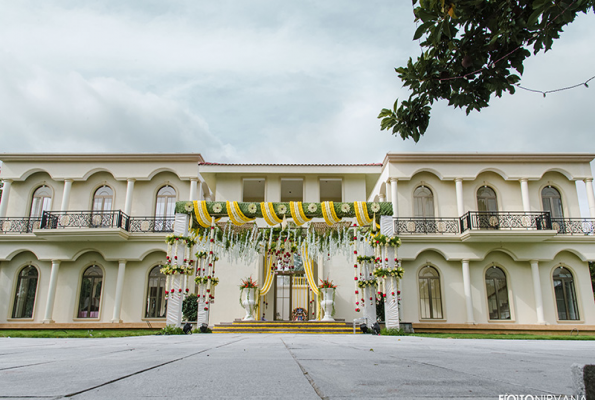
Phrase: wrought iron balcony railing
pixel 84 219
pixel 574 226
pixel 152 224
pixel 421 225
pixel 504 220
pixel 19 225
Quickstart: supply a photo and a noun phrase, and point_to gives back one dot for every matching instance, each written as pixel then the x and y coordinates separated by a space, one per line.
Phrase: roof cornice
pixel 85 157
pixel 489 157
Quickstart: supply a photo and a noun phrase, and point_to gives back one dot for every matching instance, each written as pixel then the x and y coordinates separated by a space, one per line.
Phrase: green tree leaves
pixel 471 50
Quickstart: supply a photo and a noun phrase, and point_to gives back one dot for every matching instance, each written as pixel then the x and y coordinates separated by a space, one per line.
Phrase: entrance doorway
pixel 292 297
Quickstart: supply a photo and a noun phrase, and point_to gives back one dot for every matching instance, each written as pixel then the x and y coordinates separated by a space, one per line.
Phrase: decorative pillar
pixel 193 187
pixel 590 197
pixel 49 305
pixel 66 194
pixel 175 299
pixel 459 190
pixel 129 191
pixel 467 287
pixel 119 291
pixel 525 195
pixel 382 197
pixel 537 291
pixel 394 195
pixel 5 195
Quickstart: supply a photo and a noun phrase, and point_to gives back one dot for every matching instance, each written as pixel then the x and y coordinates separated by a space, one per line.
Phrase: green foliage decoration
pixel 471 50
pixel 190 307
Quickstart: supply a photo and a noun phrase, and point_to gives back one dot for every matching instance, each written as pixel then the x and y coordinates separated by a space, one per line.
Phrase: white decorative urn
pixel 249 302
pixel 327 303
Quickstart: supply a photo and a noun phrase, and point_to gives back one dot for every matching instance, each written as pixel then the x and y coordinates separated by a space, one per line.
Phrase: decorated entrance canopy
pixel 274 213
pixel 291 238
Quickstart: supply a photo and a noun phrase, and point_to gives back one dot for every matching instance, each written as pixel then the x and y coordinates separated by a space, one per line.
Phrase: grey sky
pixel 256 81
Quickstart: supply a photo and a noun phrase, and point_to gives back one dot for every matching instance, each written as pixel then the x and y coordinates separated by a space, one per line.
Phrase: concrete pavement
pixel 286 367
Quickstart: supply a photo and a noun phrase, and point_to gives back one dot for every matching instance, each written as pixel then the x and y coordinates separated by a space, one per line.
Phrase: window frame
pixel 49 203
pixel 495 197
pixel 549 186
pixel 113 198
pixel 415 197
pixel 16 288
pixel 264 194
pixel 340 179
pixel 79 292
pixel 576 295
pixel 509 296
pixel 439 280
pixel 156 199
pixel 147 293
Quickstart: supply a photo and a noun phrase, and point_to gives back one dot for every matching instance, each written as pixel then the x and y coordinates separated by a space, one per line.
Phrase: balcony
pixel 85 225
pixel 19 225
pixel 502 226
pixel 420 225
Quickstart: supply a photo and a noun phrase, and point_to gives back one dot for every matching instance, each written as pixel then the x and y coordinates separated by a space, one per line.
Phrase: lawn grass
pixel 511 336
pixel 76 333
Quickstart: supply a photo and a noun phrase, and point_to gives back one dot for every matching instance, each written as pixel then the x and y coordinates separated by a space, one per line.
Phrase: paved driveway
pixel 286 367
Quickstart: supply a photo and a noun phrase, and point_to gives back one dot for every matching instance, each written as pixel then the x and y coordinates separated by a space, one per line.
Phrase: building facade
pixel 489 241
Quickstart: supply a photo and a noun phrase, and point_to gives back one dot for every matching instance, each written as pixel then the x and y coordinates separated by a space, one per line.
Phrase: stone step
pixel 291 327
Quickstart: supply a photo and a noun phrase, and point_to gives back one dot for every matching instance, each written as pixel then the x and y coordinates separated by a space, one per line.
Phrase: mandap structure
pixel 284 238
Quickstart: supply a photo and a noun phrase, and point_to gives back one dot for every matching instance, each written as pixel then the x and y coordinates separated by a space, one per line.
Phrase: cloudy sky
pixel 256 81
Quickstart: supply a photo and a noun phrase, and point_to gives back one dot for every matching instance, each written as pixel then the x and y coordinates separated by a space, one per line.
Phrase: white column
pixel 129 191
pixel 525 195
pixel 381 197
pixel 66 194
pixel 537 291
pixel 590 197
pixel 467 287
pixel 459 190
pixel 5 195
pixel 394 196
pixel 193 186
pixel 49 305
pixel 119 291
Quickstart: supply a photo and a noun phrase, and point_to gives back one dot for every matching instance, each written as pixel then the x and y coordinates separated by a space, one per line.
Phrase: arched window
pixel 90 298
pixel 24 297
pixel 42 199
pixel 156 304
pixel 429 293
pixel 166 202
pixel 486 199
pixel 565 294
pixel 103 199
pixel 423 202
pixel 497 291
pixel 552 202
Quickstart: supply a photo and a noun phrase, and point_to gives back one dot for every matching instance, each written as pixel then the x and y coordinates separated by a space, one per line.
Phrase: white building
pixel 489 241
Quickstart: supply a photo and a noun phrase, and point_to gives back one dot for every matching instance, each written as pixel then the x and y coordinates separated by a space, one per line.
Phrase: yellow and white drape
pixel 236 216
pixel 268 212
pixel 202 214
pixel 329 214
pixel 361 213
pixel 297 213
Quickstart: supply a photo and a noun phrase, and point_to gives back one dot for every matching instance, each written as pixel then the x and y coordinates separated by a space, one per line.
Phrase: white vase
pixel 248 302
pixel 327 303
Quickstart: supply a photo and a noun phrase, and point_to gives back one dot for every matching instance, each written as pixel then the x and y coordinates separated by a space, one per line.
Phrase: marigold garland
pixel 297 213
pixel 268 212
pixel 236 216
pixel 329 214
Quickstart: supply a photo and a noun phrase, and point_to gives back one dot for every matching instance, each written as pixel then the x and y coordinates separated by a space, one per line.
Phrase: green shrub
pixel 392 332
pixel 190 307
pixel 171 330
pixel 198 331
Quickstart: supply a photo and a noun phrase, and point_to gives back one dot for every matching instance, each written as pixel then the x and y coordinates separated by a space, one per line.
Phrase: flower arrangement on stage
pixel 248 283
pixel 326 284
